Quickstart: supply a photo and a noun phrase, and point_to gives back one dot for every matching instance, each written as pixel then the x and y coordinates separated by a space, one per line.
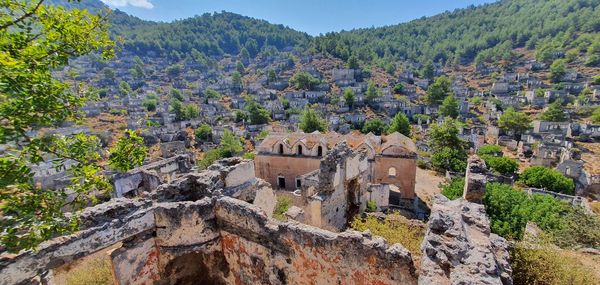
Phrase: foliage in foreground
pixel 128 153
pixel 509 211
pixel 394 229
pixel 35 40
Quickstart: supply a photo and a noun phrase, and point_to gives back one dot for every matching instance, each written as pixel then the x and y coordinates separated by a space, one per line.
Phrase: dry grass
pixel 590 152
pixel 535 264
pixel 394 229
pixel 95 269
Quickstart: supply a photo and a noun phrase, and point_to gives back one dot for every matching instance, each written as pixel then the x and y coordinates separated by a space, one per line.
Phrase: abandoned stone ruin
pixel 214 227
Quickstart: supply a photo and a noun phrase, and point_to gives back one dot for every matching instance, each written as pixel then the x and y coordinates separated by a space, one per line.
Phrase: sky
pixel 311 16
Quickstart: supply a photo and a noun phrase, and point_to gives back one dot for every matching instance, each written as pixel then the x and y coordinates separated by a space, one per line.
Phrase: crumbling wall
pixel 262 251
pixel 476 179
pixel 458 247
pixel 149 177
pixel 341 190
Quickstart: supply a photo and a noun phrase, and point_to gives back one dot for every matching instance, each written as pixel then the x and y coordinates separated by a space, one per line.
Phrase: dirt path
pixel 427 184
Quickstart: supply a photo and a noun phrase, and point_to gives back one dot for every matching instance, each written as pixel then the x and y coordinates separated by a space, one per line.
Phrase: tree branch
pixel 23 17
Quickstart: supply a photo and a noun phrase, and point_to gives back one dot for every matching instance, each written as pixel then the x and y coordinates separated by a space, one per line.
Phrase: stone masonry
pixel 213 227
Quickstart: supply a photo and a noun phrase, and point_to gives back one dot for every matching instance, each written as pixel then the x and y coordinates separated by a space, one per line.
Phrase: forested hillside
pixel 210 34
pixel 487 32
pixel 484 33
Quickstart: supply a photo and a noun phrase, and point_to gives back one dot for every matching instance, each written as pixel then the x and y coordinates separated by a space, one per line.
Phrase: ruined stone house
pixel 282 158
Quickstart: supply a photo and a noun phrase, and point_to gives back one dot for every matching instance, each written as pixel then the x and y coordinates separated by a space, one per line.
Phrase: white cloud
pixel 135 3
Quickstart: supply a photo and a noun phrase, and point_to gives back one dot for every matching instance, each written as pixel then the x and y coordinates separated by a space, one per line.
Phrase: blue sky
pixel 311 16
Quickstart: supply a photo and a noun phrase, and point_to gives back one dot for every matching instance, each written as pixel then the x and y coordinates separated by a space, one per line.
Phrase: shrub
pixel 249 155
pixel 490 149
pixel 502 165
pixel 150 104
pixel 203 132
pixel 371 206
pixel 454 189
pixel 282 206
pixel 550 179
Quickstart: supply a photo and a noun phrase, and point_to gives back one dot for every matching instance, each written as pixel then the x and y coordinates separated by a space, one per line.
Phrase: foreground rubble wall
pixel 212 228
pixel 216 240
pixel 262 251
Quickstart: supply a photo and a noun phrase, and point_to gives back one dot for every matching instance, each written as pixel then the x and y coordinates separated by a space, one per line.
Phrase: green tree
pixel 150 104
pixel 375 126
pixel 128 153
pixel 174 70
pixel 372 92
pixel 271 75
pixel 428 70
pixel 210 93
pixel 176 93
pixel 557 70
pixel 230 144
pixel 555 112
pixel 513 121
pixel 35 40
pixel 177 108
pixel 501 164
pixel 352 62
pixel 448 150
pixel 398 88
pixel 596 116
pixel 304 81
pixel 438 90
pixel 236 79
pixel 549 179
pixel 109 74
pixel 596 80
pixel 124 89
pixel 400 124
pixel 190 111
pixel 311 121
pixel 449 107
pixel 240 68
pixel 257 114
pixel 203 132
pixel 509 210
pixel 349 97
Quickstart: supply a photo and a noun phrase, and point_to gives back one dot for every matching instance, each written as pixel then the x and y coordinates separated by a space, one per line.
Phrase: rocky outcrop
pixel 459 249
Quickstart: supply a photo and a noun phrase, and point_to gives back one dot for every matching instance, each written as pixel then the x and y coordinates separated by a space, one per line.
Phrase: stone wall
pixel 405 171
pixel 269 167
pixel 458 247
pixel 150 176
pixel 217 241
pixel 214 228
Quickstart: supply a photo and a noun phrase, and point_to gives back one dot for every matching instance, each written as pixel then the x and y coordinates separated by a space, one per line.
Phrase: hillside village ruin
pixel 282 205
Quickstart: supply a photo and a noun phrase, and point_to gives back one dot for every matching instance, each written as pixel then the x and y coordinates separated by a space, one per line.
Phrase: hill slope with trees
pixel 487 32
